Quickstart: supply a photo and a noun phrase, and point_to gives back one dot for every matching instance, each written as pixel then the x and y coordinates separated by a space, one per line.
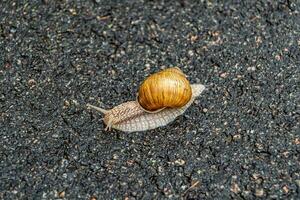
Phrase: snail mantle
pixel 161 98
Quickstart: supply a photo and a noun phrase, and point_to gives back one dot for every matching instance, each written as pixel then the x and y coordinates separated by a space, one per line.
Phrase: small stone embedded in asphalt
pixel 240 139
pixel 62 194
pixel 179 162
pixel 235 188
pixel 223 74
pixel 259 192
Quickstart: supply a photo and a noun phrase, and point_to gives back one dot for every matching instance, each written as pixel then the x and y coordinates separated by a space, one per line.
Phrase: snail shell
pixel 168 88
pixel 131 116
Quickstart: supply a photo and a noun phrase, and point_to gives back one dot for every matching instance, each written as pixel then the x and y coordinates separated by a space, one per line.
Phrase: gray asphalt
pixel 239 140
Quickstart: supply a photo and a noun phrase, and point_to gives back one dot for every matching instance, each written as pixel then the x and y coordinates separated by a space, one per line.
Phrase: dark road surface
pixel 239 140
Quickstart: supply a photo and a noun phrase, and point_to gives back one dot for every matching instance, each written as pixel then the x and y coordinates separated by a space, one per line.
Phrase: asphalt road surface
pixel 239 140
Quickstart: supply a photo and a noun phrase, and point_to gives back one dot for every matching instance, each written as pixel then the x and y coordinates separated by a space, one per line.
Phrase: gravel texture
pixel 240 139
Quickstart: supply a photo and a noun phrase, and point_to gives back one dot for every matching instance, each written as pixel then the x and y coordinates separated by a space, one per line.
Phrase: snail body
pixel 136 116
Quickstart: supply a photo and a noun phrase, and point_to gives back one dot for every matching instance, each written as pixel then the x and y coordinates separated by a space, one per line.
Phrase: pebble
pixel 62 194
pixel 235 188
pixel 224 75
pixel 180 162
pixel 259 192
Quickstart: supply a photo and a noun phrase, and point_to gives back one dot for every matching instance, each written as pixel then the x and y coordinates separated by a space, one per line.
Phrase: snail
pixel 161 98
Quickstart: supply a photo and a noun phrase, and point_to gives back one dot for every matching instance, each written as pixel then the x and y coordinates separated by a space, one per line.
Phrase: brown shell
pixel 167 88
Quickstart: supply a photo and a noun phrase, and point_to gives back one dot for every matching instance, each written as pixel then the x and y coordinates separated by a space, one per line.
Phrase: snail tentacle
pixel 108 125
pixel 97 108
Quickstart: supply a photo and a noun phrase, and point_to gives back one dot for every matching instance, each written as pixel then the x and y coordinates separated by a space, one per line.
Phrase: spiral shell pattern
pixel 168 88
